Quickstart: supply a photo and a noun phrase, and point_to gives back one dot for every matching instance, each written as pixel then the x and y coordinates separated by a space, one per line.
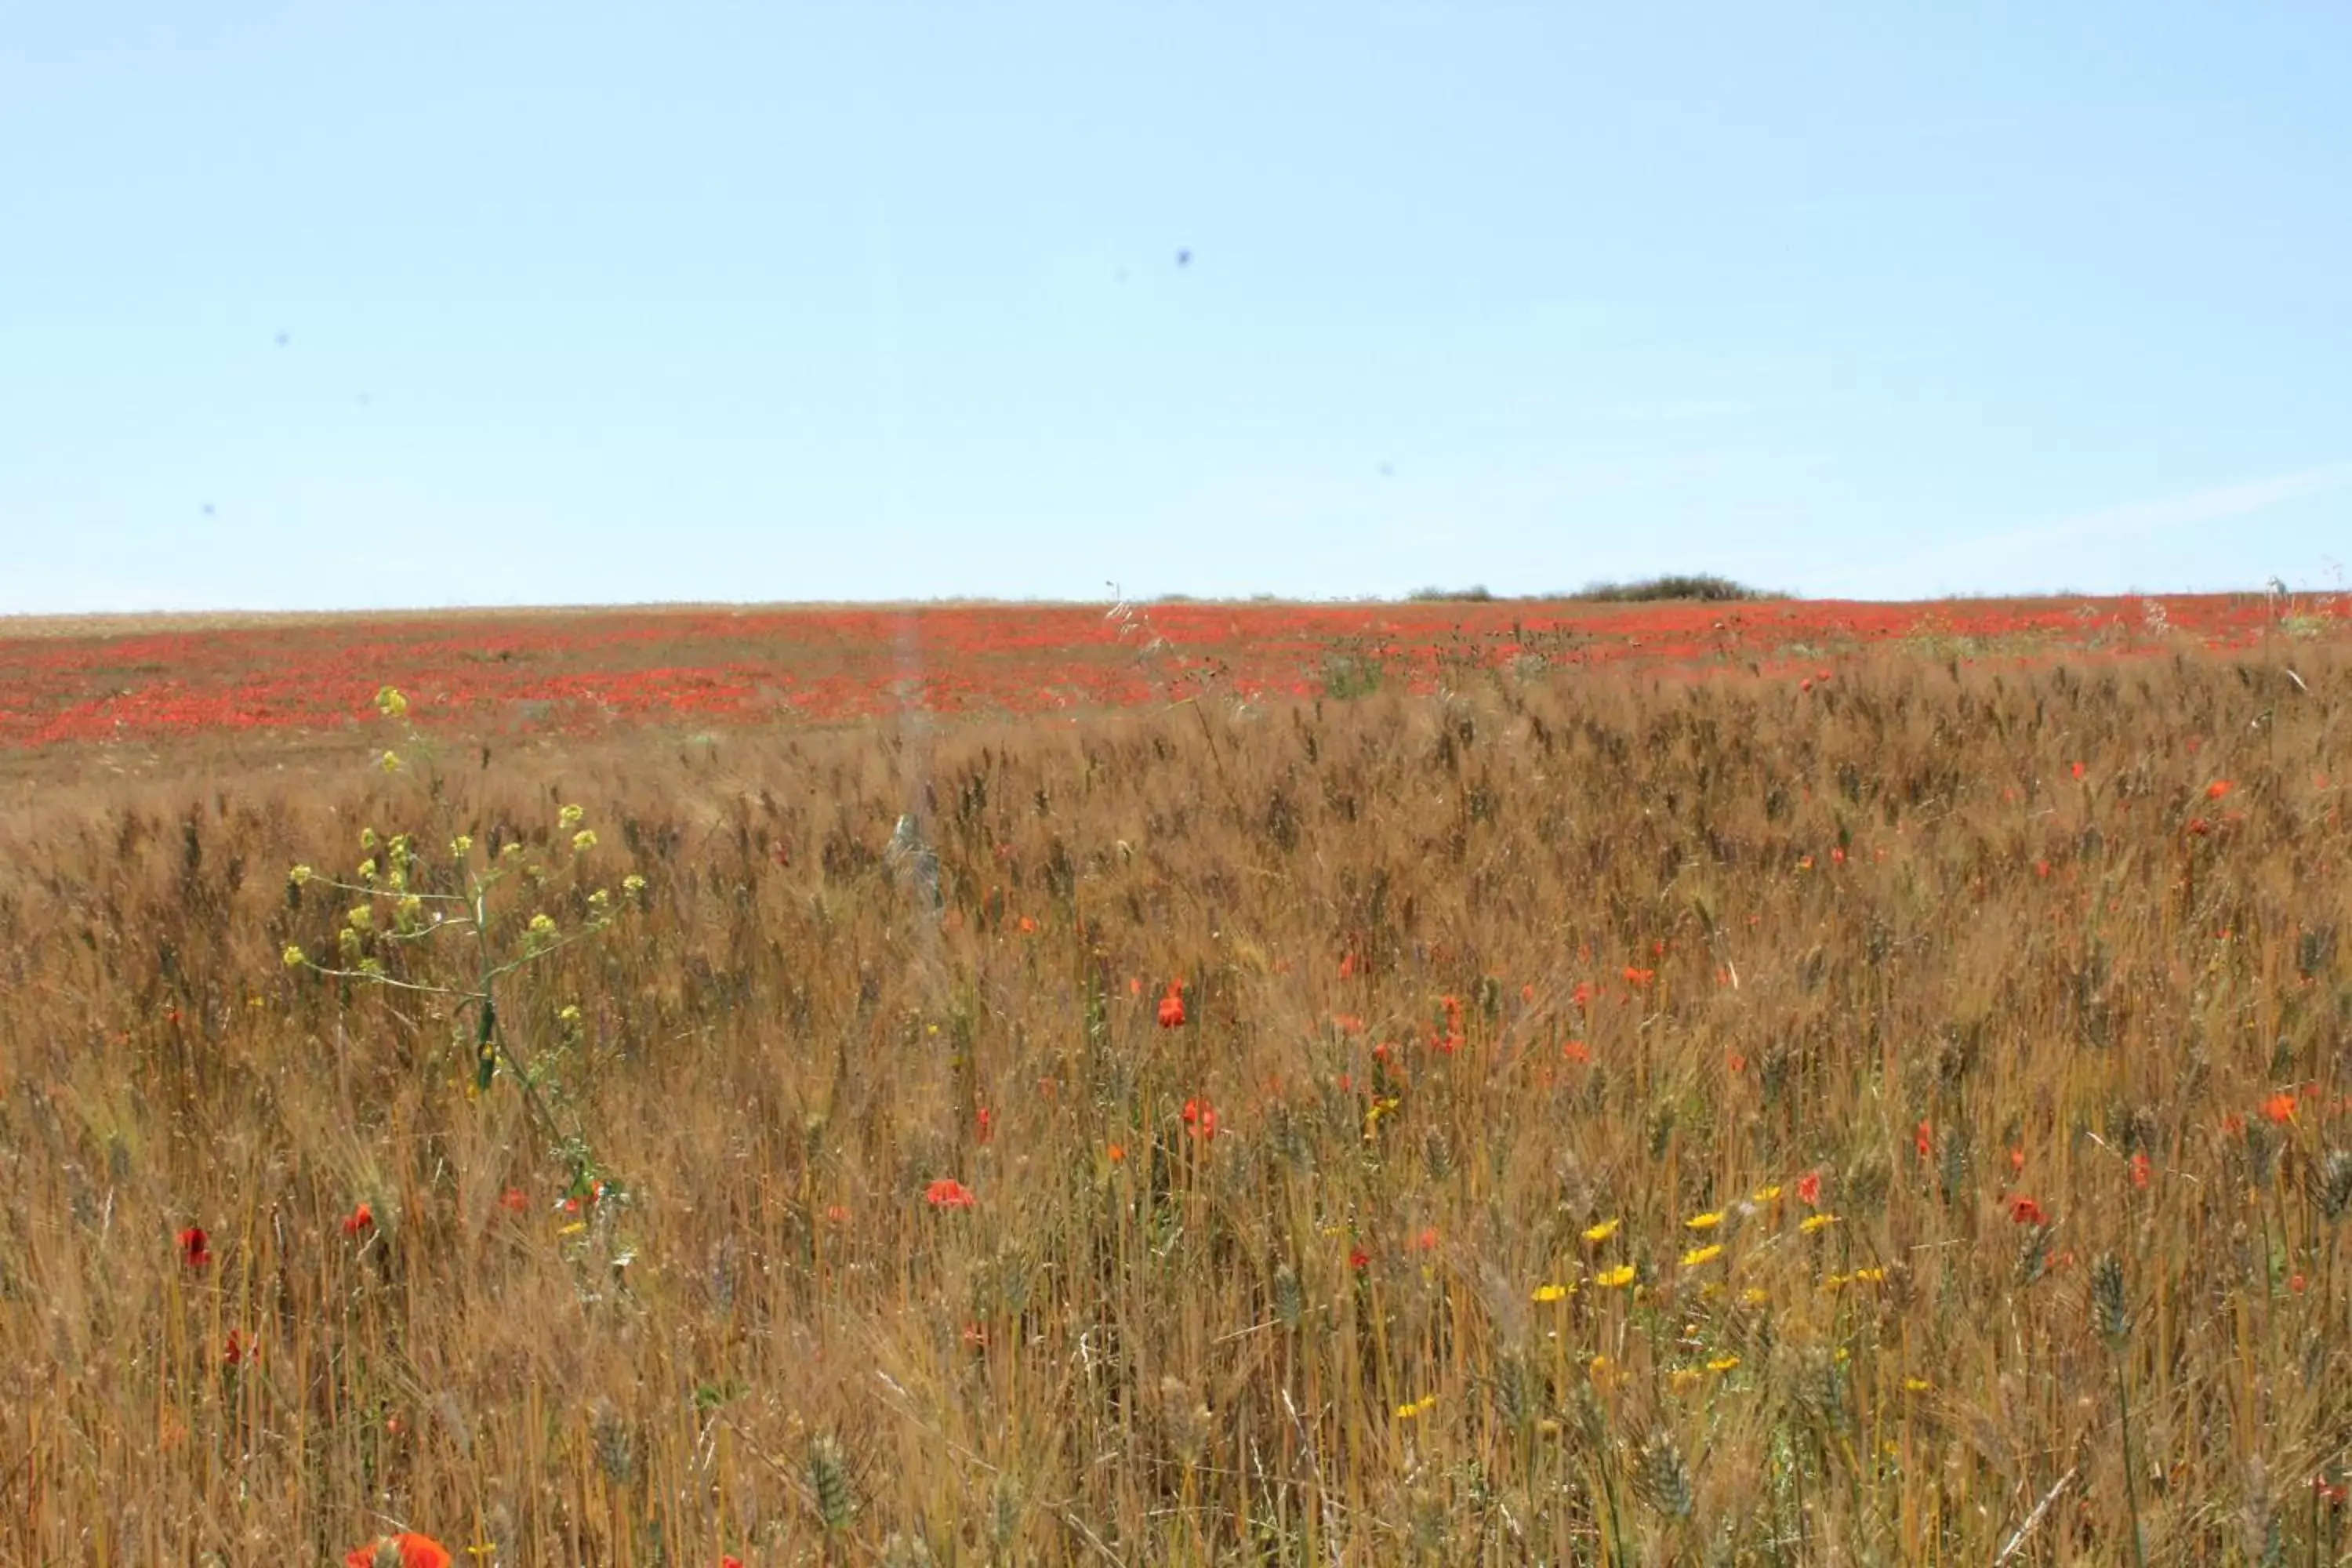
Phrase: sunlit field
pixel 1746 1083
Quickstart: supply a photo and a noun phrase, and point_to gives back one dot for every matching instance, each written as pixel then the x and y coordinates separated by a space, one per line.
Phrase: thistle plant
pixel 490 902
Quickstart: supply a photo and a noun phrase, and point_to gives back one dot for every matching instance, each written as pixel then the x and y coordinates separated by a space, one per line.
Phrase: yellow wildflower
pixel 1755 1295
pixel 1916 1386
pixel 1766 1194
pixel 583 840
pixel 1610 1278
pixel 543 925
pixel 1706 1221
pixel 294 956
pixel 1596 1234
pixel 569 817
pixel 1813 1222
pixel 1551 1292
pixel 1698 1256
pixel 298 876
pixel 1723 1364
pixel 1416 1407
pixel 461 845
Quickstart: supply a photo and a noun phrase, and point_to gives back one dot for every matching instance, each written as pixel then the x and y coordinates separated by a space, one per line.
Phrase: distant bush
pixel 1477 594
pixel 1699 587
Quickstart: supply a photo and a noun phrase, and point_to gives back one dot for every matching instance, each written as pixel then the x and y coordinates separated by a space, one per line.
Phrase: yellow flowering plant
pixel 492 907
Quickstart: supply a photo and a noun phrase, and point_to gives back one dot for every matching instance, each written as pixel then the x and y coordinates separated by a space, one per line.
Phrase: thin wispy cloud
pixel 2133 520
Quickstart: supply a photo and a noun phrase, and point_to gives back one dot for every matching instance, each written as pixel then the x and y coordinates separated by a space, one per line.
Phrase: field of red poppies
pixel 710 667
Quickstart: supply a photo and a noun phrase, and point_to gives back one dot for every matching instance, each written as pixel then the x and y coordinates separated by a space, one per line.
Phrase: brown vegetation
pixel 1465 1217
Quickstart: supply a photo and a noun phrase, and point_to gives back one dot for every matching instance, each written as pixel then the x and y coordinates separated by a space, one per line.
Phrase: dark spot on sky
pixel 1388 470
pixel 1183 259
pixel 283 339
pixel 208 509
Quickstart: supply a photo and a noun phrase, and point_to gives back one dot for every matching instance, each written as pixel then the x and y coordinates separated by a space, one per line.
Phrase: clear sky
pixel 397 303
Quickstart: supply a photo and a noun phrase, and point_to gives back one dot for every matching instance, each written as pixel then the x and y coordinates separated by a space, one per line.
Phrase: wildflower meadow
pixel 1619 1084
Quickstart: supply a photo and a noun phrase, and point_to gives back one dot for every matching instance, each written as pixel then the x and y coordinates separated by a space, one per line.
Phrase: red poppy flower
pixel 407 1548
pixel 1202 1117
pixel 2139 1168
pixel 195 1246
pixel 2279 1109
pixel 1922 1139
pixel 1809 1189
pixel 2078 770
pixel 947 1192
pixel 2218 788
pixel 360 1219
pixel 1637 978
pixel 1172 1007
pixel 514 1200
pixel 1358 1257
pixel 984 1126
pixel 236 1349
pixel 2025 1211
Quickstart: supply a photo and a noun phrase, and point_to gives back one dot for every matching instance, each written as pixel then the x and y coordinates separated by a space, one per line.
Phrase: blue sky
pixel 591 303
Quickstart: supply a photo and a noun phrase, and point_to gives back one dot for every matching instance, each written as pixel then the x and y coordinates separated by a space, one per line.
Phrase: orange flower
pixel 2025 1211
pixel 2218 788
pixel 1172 1007
pixel 1922 1140
pixel 2279 1109
pixel 413 1551
pixel 1637 978
pixel 360 1219
pixel 1202 1117
pixel 947 1192
pixel 2140 1163
pixel 1809 1189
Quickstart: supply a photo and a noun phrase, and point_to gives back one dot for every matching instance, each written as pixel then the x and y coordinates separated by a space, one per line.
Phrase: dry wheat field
pixel 1605 1118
